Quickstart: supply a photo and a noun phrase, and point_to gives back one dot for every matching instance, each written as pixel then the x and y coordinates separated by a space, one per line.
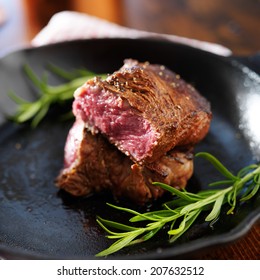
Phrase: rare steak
pixel 137 126
pixel 145 110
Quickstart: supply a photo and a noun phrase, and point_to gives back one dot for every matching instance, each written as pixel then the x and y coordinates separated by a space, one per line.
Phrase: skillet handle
pixel 252 61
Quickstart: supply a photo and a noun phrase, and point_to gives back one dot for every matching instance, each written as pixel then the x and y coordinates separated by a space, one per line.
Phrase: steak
pixel 93 164
pixel 138 126
pixel 144 110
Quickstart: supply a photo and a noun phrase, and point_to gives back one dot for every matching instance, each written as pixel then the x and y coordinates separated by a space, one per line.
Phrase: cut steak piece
pixel 136 127
pixel 92 165
pixel 145 110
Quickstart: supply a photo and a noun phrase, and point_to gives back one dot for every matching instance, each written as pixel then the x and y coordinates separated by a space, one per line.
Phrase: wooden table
pixel 234 24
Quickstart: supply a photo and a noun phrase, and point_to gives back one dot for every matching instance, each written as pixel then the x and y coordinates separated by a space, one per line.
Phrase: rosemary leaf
pixel 217 164
pixel 182 194
pixel 41 85
pixel 147 236
pixel 117 225
pixel 180 228
pixel 17 99
pixel 221 183
pixel 253 188
pixel 146 216
pixel 119 244
pixel 216 209
pixel 40 115
pixel 155 215
pixel 188 224
pixel 28 111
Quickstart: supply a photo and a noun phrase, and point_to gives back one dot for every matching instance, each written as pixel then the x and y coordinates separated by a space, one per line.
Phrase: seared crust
pixel 179 117
pixel 176 111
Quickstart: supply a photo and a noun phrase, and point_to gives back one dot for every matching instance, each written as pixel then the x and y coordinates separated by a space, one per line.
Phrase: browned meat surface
pixel 136 127
pixel 145 110
pixel 93 164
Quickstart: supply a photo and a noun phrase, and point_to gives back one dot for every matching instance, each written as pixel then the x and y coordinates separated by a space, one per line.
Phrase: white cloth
pixel 68 25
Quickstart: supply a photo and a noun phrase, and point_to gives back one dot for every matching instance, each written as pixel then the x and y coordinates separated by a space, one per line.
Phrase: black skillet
pixel 37 221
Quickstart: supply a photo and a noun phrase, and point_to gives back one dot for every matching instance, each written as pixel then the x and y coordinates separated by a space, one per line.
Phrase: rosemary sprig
pixel 48 95
pixel 181 212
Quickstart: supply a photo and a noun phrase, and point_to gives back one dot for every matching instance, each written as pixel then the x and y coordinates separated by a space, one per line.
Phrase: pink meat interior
pixel 108 113
pixel 72 145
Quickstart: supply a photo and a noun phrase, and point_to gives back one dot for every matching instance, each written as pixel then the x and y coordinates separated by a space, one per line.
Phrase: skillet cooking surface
pixel 39 221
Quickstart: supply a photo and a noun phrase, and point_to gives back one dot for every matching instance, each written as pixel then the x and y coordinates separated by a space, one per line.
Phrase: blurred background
pixel 233 23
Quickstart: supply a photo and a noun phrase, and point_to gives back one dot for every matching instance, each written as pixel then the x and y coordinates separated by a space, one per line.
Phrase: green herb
pixel 48 95
pixel 181 212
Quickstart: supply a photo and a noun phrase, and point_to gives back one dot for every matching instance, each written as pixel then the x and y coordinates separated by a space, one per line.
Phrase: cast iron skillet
pixel 37 221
